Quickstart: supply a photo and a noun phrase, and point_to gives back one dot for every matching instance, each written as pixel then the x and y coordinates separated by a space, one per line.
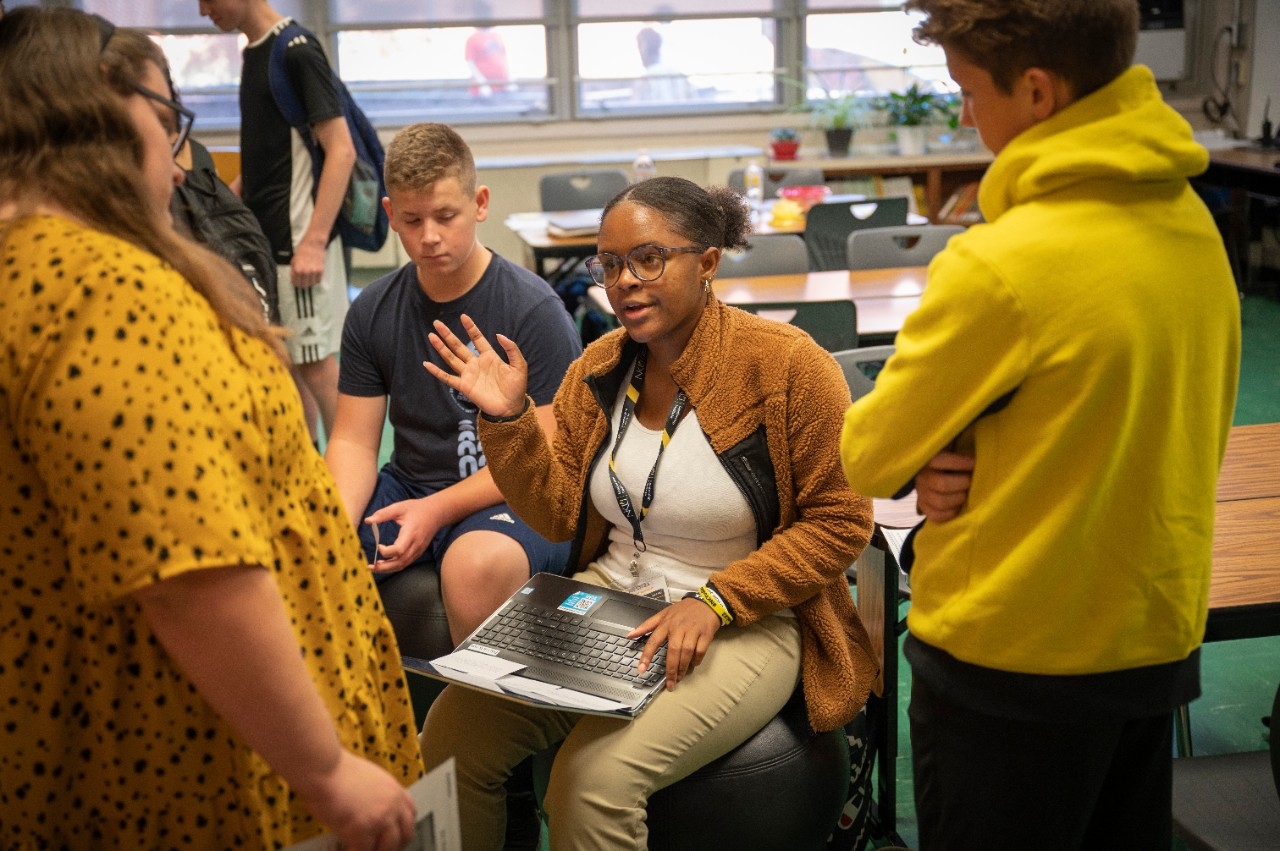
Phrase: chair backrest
pixel 827 227
pixel 768 254
pixel 832 324
pixel 776 178
pixel 908 245
pixel 580 190
pixel 861 366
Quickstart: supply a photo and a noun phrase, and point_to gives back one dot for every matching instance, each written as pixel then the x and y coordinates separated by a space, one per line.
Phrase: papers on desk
pixel 574 223
pixel 435 797
pixel 893 541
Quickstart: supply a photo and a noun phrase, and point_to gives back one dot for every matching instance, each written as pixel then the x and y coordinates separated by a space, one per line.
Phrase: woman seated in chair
pixel 695 452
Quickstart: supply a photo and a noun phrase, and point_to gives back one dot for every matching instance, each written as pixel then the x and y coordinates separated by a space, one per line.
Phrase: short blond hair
pixel 422 154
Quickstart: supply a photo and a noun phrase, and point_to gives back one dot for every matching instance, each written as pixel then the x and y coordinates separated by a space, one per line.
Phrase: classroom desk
pixel 564 253
pixel 1244 590
pixel 1252 169
pixel 941 173
pixel 1244 585
pixel 884 297
pixel 541 248
pixel 1247 172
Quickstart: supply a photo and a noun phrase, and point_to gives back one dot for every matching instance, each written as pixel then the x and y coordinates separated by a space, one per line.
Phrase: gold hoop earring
pixel 706 286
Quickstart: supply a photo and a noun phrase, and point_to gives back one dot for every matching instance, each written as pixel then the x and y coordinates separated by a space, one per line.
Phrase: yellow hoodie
pixel 1100 295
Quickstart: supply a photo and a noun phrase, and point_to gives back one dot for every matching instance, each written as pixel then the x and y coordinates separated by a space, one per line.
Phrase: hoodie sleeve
pixel 965 347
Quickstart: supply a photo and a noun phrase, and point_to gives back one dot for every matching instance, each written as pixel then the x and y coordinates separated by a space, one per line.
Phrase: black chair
pixel 1230 802
pixel 832 324
pixel 827 227
pixel 412 601
pixel 908 245
pixel 768 254
pixel 882 589
pixel 580 190
pixel 784 787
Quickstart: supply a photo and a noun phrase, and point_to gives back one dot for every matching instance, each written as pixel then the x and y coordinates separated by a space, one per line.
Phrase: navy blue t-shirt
pixel 384 343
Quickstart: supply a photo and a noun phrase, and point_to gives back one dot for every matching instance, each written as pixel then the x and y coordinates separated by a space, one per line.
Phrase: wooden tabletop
pixel 1261 159
pixel 884 297
pixel 1244 589
pixel 824 286
pixel 1251 465
pixel 1246 536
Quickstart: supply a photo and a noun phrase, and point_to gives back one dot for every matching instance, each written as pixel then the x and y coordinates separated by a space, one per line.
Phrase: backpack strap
pixel 287 100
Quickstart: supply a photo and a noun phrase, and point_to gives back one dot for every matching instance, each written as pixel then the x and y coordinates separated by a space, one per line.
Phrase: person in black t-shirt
pixel 297 212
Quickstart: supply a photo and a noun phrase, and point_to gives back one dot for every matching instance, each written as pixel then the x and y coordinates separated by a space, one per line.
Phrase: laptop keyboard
pixel 564 638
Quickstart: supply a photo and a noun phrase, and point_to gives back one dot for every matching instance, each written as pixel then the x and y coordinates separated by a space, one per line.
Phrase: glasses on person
pixel 180 128
pixel 646 262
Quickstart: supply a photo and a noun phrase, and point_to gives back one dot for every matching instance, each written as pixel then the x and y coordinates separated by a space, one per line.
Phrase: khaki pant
pixel 607 768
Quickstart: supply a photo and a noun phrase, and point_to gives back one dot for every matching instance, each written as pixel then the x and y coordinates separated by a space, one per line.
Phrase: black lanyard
pixel 625 502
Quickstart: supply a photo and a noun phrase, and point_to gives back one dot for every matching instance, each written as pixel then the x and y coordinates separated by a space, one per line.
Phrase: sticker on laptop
pixel 580 602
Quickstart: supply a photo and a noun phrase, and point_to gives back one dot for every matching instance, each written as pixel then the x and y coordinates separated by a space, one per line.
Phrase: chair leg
pixel 1182 730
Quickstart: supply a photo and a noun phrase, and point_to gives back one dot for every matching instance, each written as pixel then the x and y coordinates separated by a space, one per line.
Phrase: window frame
pixel 560 21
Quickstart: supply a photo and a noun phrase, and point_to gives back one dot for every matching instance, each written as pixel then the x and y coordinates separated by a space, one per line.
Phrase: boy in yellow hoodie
pixel 1070 376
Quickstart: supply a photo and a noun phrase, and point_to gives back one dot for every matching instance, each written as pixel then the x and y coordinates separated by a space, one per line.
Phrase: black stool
pixel 782 788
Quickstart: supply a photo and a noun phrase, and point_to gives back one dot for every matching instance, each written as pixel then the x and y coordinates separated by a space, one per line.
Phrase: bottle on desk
pixel 753 178
pixel 643 168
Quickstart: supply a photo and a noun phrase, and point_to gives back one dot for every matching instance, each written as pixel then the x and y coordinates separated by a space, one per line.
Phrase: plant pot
pixel 838 139
pixel 784 150
pixel 911 140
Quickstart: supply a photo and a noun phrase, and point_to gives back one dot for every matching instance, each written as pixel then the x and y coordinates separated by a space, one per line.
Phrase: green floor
pixel 1238 677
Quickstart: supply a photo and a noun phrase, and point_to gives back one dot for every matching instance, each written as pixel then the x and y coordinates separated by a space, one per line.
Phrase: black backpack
pixel 207 208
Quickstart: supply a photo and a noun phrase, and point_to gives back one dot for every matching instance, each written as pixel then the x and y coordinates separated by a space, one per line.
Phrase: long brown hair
pixel 66 139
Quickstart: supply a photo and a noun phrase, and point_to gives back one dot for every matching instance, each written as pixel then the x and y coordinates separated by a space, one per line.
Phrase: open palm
pixel 493 385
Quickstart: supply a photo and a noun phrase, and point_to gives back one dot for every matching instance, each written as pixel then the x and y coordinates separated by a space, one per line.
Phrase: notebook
pixel 574 223
pixel 560 643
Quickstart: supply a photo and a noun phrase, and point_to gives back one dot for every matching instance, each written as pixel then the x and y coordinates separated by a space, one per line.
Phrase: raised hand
pixel 493 385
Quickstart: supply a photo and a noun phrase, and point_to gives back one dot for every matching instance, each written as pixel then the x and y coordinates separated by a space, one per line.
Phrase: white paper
pixel 894 539
pixel 435 797
pixel 476 664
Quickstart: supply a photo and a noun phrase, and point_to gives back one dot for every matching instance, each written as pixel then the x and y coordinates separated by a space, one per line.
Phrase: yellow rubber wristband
pixel 712 599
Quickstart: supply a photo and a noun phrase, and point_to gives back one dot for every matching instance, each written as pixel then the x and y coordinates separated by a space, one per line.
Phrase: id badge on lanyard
pixel 648 583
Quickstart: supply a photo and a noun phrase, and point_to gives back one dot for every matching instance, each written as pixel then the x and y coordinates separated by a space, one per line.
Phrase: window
pixel 464 61
pixel 675 65
pixel 869 52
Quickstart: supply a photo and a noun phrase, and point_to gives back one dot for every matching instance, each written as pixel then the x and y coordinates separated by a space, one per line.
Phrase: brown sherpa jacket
pixel 757 385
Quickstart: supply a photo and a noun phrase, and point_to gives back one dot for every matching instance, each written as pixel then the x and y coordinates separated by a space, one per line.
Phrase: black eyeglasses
pixel 180 127
pixel 646 262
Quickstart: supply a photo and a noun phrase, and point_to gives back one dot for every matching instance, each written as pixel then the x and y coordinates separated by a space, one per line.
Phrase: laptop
pixel 559 643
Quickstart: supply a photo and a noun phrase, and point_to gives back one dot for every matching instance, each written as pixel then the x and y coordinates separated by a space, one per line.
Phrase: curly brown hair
pixel 714 216
pixel 1086 42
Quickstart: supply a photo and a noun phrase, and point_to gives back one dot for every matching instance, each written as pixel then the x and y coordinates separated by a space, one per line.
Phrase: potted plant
pixel 839 116
pixel 784 142
pixel 911 111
